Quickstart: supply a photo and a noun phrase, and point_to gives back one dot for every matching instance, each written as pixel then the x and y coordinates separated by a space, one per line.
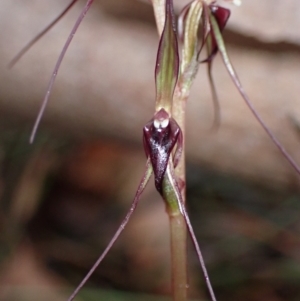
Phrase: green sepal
pixel 160 14
pixel 221 45
pixel 171 193
pixel 190 35
pixel 167 63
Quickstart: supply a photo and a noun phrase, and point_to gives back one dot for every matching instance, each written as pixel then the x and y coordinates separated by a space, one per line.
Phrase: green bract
pixel 167 63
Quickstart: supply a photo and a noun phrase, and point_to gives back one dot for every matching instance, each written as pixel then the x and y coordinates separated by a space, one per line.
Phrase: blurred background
pixel 62 198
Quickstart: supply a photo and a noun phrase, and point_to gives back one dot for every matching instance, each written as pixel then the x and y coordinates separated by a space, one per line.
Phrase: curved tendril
pixel 56 68
pixel 181 205
pixel 237 83
pixel 19 55
pixel 142 185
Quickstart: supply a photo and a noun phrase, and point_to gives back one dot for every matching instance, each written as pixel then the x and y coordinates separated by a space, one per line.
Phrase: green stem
pixel 178 113
pixel 178 260
pixel 178 230
pixel 177 224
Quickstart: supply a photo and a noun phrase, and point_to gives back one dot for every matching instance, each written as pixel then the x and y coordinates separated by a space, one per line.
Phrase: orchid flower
pixel 162 135
pixel 162 142
pixel 213 19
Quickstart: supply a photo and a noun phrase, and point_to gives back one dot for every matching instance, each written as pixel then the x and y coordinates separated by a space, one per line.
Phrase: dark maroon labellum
pixel 221 15
pixel 161 134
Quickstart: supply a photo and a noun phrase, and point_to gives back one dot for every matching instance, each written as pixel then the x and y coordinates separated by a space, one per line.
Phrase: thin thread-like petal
pixel 221 46
pixel 142 185
pixel 19 55
pixel 56 68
